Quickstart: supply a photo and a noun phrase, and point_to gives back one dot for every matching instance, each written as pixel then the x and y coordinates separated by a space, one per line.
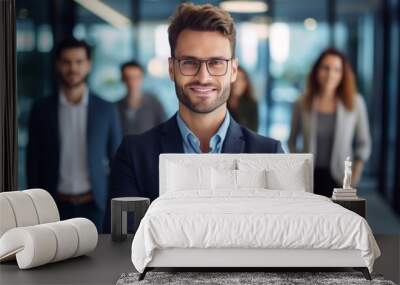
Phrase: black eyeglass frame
pixel 201 61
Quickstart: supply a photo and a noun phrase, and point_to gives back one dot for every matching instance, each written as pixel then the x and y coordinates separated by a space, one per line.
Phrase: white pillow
pixel 181 177
pixel 285 173
pixel 290 179
pixel 251 178
pixel 224 179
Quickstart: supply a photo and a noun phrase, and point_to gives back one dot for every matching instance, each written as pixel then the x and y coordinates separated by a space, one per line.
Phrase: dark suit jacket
pixel 43 151
pixel 134 170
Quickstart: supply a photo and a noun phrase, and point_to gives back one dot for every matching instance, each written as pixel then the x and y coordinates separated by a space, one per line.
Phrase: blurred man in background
pixel 72 136
pixel 139 111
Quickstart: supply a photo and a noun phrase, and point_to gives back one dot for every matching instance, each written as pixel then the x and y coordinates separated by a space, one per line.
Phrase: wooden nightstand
pixel 357 206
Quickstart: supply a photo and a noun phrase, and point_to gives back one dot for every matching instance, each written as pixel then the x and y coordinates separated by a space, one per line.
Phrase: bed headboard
pixel 281 163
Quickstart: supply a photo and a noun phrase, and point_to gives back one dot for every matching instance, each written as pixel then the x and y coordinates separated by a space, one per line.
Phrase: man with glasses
pixel 202 66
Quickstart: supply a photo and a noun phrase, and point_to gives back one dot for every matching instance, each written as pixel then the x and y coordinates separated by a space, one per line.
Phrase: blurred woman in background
pixel 332 122
pixel 241 104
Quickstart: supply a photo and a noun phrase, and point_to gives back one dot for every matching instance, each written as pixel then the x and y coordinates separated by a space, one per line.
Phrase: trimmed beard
pixel 221 99
pixel 70 86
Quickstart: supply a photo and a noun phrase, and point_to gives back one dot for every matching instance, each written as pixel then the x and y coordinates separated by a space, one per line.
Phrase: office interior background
pixel 276 43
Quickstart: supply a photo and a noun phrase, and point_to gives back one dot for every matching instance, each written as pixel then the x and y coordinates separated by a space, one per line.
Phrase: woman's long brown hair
pixel 248 92
pixel 347 88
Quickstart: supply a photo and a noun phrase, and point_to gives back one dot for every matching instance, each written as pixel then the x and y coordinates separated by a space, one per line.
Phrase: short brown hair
pixel 201 18
pixel 70 43
pixel 132 63
pixel 347 89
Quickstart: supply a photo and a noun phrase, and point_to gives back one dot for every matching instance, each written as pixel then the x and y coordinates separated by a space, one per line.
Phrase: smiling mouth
pixel 71 76
pixel 203 91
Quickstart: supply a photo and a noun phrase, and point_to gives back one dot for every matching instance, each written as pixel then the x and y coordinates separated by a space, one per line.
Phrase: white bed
pixel 247 210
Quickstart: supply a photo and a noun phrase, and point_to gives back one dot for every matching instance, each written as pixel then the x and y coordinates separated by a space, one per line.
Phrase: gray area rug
pixel 229 278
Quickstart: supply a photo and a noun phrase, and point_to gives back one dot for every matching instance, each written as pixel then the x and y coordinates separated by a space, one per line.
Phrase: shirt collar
pixel 192 144
pixel 64 102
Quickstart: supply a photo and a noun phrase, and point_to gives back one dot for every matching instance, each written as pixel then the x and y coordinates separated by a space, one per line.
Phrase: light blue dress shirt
pixel 191 144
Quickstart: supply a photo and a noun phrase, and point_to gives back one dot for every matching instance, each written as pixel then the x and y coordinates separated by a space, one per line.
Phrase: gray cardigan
pixel 350 126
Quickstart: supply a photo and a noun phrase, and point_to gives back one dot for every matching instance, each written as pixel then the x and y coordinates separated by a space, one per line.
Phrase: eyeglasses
pixel 191 67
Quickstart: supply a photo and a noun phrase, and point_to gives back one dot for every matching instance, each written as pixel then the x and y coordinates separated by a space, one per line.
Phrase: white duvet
pixel 252 218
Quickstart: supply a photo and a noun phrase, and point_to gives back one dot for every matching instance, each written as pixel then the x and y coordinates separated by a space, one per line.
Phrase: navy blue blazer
pixel 43 152
pixel 134 170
